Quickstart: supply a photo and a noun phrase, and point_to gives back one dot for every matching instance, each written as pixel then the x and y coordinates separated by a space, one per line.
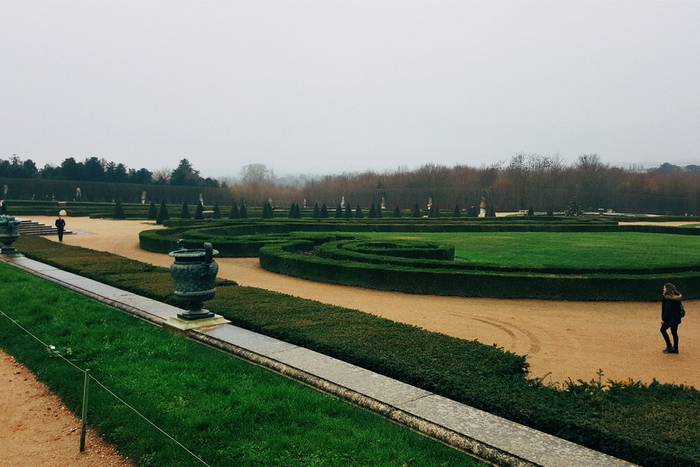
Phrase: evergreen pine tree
pixel 185 211
pixel 152 211
pixel 358 212
pixel 372 211
pixel 267 212
pixel 162 213
pixel 324 211
pixel 416 211
pixel 397 212
pixel 243 212
pixel 456 212
pixel 217 212
pixel 233 213
pixel 118 211
pixel 338 211
pixel 199 212
pixel 317 211
pixel 348 212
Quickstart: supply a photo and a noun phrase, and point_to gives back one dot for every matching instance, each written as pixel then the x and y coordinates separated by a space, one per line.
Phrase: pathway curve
pixel 562 339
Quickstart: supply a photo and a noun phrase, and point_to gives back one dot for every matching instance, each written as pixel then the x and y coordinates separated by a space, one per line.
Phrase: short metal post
pixel 83 429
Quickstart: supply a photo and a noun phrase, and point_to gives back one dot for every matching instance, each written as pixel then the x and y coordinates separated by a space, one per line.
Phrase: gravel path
pixel 37 430
pixel 562 339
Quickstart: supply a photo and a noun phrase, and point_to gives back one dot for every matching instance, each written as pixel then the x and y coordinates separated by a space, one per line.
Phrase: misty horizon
pixel 316 88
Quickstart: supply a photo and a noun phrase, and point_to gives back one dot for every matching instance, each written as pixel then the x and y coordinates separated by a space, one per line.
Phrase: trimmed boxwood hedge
pixel 655 424
pixel 331 251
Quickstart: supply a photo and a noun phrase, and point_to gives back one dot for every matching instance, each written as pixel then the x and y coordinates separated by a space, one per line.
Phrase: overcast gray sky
pixel 335 85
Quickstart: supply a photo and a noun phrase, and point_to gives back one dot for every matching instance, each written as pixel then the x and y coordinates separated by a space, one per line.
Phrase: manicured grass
pixel 226 410
pixel 654 424
pixel 590 250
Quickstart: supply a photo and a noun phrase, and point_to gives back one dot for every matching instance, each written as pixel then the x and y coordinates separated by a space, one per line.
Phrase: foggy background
pixel 330 86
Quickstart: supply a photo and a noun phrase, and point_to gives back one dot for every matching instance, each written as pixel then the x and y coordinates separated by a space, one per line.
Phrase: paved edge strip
pixel 462 441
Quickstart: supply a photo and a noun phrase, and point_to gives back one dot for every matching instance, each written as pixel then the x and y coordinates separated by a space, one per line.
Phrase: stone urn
pixel 194 271
pixel 9 232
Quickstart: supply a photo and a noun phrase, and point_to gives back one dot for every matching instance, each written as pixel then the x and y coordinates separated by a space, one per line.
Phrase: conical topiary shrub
pixel 118 211
pixel 267 212
pixel 233 212
pixel 152 211
pixel 162 213
pixel 217 212
pixel 199 211
pixel 397 212
pixel 243 212
pixel 185 211
pixel 324 211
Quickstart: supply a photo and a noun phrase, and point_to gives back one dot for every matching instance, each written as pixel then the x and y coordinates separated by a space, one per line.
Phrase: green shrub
pixel 243 211
pixel 267 212
pixel 397 212
pixel 162 213
pixel 324 211
pixel 185 211
pixel 358 212
pixel 416 211
pixel 152 211
pixel 118 212
pixel 3 207
pixel 199 211
pixel 317 211
pixel 456 212
pixel 338 212
pixel 217 212
pixel 348 212
pixel 233 213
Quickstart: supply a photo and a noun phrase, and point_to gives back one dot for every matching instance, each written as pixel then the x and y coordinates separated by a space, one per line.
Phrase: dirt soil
pixel 562 339
pixel 36 429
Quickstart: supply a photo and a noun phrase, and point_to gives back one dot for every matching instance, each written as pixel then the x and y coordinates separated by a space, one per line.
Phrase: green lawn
pixel 567 249
pixel 224 409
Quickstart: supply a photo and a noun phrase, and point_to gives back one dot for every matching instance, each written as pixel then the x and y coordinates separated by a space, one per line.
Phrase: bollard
pixel 83 428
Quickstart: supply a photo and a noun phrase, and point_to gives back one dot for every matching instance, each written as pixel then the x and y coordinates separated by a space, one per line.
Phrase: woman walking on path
pixel 671 315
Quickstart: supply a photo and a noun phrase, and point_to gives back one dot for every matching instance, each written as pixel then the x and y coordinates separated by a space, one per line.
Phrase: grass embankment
pixel 227 411
pixel 584 250
pixel 653 424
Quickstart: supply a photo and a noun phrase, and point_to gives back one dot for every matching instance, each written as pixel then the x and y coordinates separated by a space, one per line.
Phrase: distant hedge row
pixel 332 252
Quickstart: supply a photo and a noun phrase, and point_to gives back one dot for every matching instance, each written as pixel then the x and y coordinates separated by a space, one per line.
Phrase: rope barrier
pixel 53 351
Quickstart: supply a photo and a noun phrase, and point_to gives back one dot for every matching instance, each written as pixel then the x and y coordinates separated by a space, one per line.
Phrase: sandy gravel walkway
pixel 562 339
pixel 37 430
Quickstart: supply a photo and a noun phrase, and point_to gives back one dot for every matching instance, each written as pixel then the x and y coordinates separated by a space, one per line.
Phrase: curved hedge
pixel 336 252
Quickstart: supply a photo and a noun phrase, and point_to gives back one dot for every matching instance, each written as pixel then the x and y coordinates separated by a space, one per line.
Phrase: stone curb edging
pixel 474 447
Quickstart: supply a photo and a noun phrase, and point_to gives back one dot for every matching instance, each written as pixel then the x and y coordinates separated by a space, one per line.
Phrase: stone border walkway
pixel 485 435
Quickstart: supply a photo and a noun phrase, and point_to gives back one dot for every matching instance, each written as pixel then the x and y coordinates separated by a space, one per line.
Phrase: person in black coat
pixel 671 306
pixel 60 227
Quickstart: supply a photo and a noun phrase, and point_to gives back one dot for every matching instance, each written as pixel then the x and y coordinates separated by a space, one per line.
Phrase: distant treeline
pixel 526 181
pixel 93 169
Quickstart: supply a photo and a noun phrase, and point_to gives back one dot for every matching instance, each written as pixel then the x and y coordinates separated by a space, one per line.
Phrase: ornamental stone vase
pixel 194 271
pixel 9 232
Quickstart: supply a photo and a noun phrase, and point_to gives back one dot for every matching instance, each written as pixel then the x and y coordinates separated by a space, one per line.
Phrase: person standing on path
pixel 60 227
pixel 671 315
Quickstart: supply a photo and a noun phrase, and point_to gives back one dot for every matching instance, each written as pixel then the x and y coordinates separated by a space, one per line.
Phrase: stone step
pixel 33 228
